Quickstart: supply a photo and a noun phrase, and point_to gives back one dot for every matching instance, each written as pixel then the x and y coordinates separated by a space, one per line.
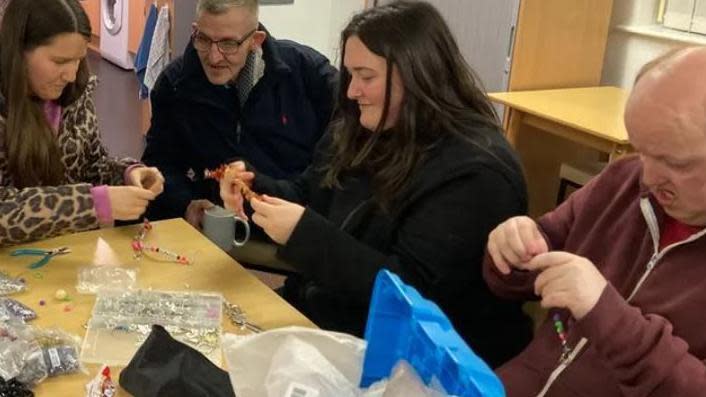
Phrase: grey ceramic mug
pixel 220 224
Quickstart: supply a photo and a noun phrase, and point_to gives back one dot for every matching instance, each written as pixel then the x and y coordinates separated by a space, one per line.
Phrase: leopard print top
pixel 41 212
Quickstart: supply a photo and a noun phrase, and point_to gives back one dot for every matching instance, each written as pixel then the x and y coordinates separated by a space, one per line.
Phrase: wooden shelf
pixel 662 33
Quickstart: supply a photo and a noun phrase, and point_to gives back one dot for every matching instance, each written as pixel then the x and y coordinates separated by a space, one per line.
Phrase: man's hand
pixel 129 202
pixel 230 192
pixel 195 212
pixel 276 217
pixel 567 281
pixel 147 178
pixel 515 242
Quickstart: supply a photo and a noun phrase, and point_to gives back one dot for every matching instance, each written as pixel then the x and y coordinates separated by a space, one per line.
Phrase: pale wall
pixel 316 23
pixel 627 52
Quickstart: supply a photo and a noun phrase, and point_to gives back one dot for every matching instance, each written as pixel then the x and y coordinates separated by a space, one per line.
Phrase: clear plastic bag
pixel 10 308
pixel 122 320
pixel 298 367
pixel 34 369
pixel 294 361
pixel 30 354
pixel 403 382
pixel 59 351
pixel 13 348
pixel 91 279
pixel 10 285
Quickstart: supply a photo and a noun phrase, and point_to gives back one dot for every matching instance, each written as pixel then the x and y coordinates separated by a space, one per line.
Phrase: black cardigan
pixel 433 237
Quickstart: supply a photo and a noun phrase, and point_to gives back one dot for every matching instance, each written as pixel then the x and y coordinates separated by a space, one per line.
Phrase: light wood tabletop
pixel 551 127
pixel 213 271
pixel 594 110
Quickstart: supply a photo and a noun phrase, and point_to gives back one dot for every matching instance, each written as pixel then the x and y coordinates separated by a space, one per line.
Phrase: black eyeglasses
pixel 226 46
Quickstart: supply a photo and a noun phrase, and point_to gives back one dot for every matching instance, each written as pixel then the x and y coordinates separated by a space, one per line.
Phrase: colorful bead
pixel 560 330
pixel 61 294
pixel 139 247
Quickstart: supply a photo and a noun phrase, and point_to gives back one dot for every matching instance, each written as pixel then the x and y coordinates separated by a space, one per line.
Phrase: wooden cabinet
pixel 530 44
pixel 559 44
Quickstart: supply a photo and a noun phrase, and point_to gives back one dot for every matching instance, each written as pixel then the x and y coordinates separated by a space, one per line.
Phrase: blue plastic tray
pixel 403 325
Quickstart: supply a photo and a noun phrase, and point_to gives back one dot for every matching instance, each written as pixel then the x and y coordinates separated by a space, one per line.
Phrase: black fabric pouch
pixel 165 367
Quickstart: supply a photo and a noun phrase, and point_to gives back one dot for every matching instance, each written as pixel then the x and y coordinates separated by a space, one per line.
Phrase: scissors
pixel 47 254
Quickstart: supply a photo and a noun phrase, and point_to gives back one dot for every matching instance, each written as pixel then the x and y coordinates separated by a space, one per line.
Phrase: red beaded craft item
pixel 220 172
pixel 139 246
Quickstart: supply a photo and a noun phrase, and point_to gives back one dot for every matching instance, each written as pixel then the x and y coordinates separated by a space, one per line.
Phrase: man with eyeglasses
pixel 235 93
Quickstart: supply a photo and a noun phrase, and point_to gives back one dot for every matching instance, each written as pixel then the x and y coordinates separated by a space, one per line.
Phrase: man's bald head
pixel 666 121
pixel 675 78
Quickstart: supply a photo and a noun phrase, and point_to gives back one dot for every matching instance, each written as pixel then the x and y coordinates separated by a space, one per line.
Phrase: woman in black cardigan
pixel 412 177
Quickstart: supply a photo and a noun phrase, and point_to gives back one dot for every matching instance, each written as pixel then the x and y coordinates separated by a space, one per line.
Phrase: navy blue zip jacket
pixel 197 125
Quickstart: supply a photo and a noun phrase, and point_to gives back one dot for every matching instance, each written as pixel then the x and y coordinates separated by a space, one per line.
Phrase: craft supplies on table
pixel 92 279
pixel 45 254
pixel 122 320
pixel 140 247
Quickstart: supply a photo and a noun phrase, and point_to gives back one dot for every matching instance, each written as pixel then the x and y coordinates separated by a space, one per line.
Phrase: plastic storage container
pixel 122 320
pixel 403 325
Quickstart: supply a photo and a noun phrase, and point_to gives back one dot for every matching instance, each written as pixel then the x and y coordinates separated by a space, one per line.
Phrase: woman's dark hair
pixel 441 96
pixel 33 156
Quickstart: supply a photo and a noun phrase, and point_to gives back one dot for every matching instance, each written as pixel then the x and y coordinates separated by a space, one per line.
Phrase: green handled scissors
pixel 47 254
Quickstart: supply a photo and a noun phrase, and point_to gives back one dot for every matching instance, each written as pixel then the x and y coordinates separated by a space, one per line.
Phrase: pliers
pixel 47 254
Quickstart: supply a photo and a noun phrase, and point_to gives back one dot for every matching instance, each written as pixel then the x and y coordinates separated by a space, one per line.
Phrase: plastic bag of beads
pixel 10 285
pixel 59 352
pixel 34 369
pixel 46 353
pixel 10 308
pixel 92 279
pixel 16 347
pixel 12 352
pixel 5 314
pixel 14 388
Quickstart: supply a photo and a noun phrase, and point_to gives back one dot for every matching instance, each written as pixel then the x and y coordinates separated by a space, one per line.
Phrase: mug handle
pixel 247 232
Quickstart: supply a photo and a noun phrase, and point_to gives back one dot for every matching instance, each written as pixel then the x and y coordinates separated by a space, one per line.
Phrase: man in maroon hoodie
pixel 622 263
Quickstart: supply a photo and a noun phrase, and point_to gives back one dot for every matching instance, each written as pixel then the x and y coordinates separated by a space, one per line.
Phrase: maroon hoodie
pixel 646 336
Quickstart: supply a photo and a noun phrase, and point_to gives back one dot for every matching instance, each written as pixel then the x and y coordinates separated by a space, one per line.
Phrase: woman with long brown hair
pixel 414 175
pixel 55 175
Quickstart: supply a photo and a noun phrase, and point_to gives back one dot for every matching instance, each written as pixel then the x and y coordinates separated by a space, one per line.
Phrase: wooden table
pixel 261 255
pixel 549 127
pixel 214 270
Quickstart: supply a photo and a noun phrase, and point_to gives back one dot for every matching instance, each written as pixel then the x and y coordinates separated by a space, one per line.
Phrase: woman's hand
pixel 147 178
pixel 196 211
pixel 276 217
pixel 128 203
pixel 230 191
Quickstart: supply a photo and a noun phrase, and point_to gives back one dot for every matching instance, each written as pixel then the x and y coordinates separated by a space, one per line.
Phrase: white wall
pixel 341 13
pixel 316 23
pixel 627 52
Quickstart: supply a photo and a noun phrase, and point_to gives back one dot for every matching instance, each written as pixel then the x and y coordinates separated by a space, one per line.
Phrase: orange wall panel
pixel 138 17
pixel 137 24
pixel 93 9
